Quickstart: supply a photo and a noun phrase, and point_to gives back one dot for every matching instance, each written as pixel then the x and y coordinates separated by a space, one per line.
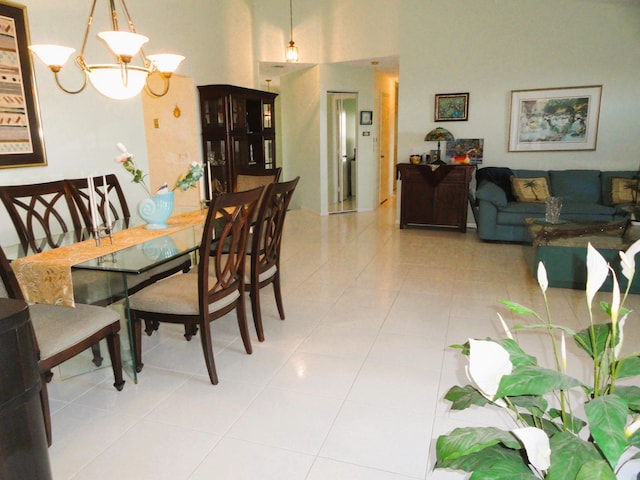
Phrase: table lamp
pixel 439 134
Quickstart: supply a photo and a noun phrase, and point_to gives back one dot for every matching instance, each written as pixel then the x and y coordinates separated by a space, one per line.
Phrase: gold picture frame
pixel 554 119
pixel 21 142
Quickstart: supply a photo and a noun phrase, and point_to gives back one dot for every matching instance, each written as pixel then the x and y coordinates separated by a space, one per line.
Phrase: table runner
pixel 46 277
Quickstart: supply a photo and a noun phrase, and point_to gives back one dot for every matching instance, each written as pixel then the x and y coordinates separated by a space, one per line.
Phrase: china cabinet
pixel 238 133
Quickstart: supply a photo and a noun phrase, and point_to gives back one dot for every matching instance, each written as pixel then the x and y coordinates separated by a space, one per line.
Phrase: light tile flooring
pixel 350 386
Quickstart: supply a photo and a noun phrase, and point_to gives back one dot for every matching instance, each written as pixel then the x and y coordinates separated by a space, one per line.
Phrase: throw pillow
pixel 622 190
pixel 533 189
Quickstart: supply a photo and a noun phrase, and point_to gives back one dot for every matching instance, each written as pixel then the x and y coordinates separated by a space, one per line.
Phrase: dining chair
pixel 40 212
pixel 79 190
pixel 264 267
pixel 196 299
pixel 61 333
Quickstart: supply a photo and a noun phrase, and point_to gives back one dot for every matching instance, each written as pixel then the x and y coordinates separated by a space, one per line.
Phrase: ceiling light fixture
pixel 120 80
pixel 291 53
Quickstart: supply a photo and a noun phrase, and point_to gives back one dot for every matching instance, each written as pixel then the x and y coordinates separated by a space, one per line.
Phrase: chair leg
pixel 255 310
pixel 278 294
pixel 46 413
pixel 97 356
pixel 190 331
pixel 207 350
pixel 242 324
pixel 137 341
pixel 151 326
pixel 113 342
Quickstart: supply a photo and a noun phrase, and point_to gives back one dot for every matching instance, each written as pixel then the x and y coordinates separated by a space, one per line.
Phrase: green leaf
pixel 464 397
pixel 485 460
pixel 574 424
pixel 534 404
pixel 533 380
pixel 635 441
pixel 602 332
pixel 629 367
pixel 549 427
pixel 517 356
pixel 464 441
pixel 631 395
pixel 517 308
pixel 568 454
pixel 596 470
pixel 607 416
pixel 505 470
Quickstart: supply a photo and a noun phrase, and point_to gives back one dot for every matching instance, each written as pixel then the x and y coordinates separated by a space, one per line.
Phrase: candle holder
pixel 98 235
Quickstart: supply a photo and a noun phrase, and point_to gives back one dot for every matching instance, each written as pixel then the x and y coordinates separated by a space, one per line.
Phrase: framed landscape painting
pixel 21 142
pixel 451 107
pixel 554 119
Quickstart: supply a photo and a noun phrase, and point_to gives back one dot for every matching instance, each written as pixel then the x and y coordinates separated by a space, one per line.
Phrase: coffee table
pixel 562 247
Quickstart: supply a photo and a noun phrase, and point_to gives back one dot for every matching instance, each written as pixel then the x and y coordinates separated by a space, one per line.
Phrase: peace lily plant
pixel 563 428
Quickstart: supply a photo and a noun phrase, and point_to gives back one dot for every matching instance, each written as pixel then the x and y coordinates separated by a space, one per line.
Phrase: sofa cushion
pixel 530 189
pixel 576 185
pixel 605 182
pixel 623 190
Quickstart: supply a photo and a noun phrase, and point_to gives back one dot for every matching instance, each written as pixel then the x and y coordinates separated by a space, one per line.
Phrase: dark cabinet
pixel 434 196
pixel 238 133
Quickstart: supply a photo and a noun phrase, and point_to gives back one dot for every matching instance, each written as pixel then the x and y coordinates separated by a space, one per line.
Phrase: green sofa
pixel 586 196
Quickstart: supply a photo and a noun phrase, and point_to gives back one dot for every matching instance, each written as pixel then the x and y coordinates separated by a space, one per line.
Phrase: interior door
pixel 342 162
pixel 385 161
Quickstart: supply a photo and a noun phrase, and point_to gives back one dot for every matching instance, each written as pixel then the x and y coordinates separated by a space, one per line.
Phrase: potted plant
pixel 563 428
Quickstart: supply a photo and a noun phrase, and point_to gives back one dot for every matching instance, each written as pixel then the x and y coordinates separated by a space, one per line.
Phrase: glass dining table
pixel 107 278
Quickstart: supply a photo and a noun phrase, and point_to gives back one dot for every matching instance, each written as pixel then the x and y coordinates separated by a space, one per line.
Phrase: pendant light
pixel 291 53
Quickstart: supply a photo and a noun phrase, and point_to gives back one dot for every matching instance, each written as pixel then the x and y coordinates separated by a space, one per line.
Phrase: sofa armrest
pixel 490 192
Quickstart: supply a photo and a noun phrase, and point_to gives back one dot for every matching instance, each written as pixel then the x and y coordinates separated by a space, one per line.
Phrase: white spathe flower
pixel 536 443
pixel 488 363
pixel 633 428
pixel 505 327
pixel 628 260
pixel 543 281
pixel 597 270
pixel 615 299
pixel 121 147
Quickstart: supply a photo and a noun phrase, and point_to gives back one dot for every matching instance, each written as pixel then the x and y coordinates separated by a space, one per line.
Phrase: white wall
pixel 490 47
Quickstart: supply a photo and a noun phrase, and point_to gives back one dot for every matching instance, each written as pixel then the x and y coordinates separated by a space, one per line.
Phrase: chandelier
pixel 120 80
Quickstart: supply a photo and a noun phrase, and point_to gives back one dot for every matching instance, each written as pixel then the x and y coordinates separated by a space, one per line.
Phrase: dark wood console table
pixel 434 195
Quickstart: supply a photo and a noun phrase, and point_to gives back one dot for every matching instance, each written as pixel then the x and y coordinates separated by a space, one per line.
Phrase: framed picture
pixel 461 148
pixel 554 119
pixel 21 144
pixel 451 107
pixel 366 117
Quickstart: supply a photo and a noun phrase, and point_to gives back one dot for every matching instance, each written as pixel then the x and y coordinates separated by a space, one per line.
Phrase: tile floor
pixel 350 386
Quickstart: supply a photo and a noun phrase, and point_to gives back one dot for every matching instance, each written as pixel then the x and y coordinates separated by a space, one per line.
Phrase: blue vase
pixel 156 210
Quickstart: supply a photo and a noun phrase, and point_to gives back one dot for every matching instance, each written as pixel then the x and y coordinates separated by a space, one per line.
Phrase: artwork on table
pixel 452 107
pixel 21 143
pixel 554 119
pixel 461 147
pixel 366 117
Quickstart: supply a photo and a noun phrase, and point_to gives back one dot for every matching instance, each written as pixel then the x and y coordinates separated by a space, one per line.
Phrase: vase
pixel 156 210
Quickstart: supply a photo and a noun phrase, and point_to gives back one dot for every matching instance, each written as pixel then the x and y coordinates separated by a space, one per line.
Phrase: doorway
pixel 342 131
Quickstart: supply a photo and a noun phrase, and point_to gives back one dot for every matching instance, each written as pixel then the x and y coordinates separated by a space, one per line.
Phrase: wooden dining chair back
pixel 117 202
pixel 249 178
pixel 264 268
pixel 61 333
pixel 40 212
pixel 196 299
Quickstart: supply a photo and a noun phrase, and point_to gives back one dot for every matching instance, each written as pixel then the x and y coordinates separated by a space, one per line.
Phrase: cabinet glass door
pixel 216 170
pixel 267 117
pixel 238 113
pixel 213 112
